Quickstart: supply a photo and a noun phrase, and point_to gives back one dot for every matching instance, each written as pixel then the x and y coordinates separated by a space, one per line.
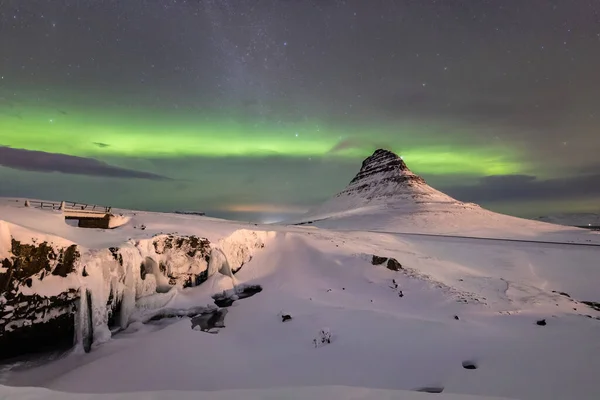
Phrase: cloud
pixel 499 188
pixel 357 144
pixel 29 160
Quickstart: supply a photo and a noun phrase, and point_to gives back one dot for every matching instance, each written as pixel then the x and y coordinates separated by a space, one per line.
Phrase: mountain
pixel 384 178
pixel 386 196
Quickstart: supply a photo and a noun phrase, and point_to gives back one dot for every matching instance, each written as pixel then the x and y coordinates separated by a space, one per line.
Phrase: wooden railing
pixel 69 206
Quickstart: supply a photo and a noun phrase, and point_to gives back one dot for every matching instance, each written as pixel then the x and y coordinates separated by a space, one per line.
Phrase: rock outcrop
pixel 30 322
pixel 54 294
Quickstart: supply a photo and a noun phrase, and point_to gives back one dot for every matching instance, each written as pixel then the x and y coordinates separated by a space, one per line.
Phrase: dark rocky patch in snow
pixel 376 260
pixel 34 323
pixel 66 261
pixel 541 322
pixel 592 304
pixel 197 249
pixel 469 365
pixel 88 338
pixel 392 263
pixel 227 298
pixel 382 169
pixel 116 255
pixel 210 320
pixel 562 293
pixel 286 317
pixel 430 389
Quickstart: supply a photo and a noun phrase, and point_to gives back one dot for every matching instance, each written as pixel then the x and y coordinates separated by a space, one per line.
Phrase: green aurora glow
pixel 110 132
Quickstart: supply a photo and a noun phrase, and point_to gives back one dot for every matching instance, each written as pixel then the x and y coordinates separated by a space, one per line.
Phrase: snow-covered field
pixel 324 279
pixel 460 316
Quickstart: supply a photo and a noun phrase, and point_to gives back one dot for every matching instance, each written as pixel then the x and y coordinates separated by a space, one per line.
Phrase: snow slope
pixel 294 393
pixel 383 344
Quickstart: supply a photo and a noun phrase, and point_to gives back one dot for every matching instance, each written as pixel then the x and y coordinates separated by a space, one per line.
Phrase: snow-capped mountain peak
pixel 384 179
pixel 384 168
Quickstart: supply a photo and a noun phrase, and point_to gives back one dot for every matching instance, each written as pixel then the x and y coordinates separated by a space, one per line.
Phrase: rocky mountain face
pixel 54 296
pixel 384 178
pixel 383 170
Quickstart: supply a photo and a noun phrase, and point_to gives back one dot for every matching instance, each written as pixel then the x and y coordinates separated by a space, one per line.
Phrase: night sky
pixel 258 109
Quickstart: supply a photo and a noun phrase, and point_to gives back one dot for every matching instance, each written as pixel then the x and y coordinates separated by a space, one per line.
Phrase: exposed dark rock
pixel 456 317
pixel 226 299
pixel 389 169
pixel 469 365
pixel 197 249
pixel 394 265
pixel 192 245
pixel 113 306
pixel 31 326
pixel 84 272
pixel 376 260
pixel 430 389
pixel 116 255
pixel 143 271
pixel 593 304
pixel 562 293
pixel 88 339
pixel 400 293
pixel 67 259
pixel 286 317
pixel 36 323
pixel 541 322
pixel 209 320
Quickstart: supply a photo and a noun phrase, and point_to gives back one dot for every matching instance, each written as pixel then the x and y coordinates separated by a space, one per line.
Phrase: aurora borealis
pixel 257 109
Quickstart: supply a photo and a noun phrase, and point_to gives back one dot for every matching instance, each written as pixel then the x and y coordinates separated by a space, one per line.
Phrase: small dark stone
pixel 400 294
pixel 561 293
pixel 29 282
pixel 469 365
pixel 343 288
pixel 541 322
pixel 84 272
pixel 430 389
pixel 394 265
pixel 328 290
pixel 456 317
pixel 376 260
pixel 286 317
pixel 143 271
